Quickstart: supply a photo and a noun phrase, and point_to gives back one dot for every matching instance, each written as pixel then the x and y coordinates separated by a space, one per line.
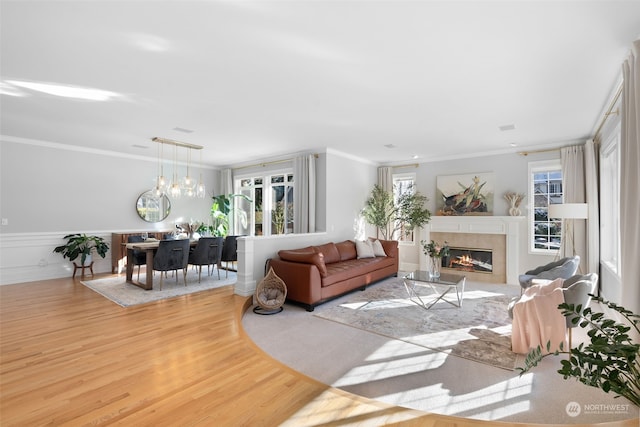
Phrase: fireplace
pixel 470 259
pixel 500 234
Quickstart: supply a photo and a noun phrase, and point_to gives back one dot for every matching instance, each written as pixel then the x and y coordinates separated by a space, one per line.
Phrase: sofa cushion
pixel 305 256
pixel 378 250
pixel 345 270
pixel 329 251
pixel 347 250
pixel 364 249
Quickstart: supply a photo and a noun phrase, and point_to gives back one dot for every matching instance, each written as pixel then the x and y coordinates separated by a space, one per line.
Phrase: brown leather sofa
pixel 316 274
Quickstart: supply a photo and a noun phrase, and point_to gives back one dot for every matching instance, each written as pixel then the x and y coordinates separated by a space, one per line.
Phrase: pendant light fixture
pixel 177 187
pixel 187 182
pixel 161 183
pixel 175 190
pixel 200 189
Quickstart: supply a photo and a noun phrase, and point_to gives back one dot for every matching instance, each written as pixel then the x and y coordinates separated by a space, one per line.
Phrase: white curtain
pixel 591 167
pixel 630 181
pixel 226 181
pixel 385 178
pixel 304 194
pixel 573 189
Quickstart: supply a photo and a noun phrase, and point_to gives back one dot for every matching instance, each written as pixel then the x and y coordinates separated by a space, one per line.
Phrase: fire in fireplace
pixel 467 259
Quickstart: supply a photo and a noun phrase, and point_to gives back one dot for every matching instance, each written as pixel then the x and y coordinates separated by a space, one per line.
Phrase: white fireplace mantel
pixel 506 225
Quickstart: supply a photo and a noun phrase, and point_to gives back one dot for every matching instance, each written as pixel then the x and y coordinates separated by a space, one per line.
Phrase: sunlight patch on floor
pixel 488 403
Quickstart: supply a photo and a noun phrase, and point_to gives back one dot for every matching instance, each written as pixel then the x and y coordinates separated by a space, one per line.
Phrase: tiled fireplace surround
pixel 498 233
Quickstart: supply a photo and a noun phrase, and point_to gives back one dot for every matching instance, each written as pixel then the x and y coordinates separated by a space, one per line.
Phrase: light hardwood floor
pixel 71 357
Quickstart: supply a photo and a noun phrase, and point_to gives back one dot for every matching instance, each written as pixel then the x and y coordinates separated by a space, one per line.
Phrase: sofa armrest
pixel 390 247
pixel 305 257
pixel 303 280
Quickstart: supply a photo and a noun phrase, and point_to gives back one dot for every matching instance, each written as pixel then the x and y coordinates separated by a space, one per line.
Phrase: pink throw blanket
pixel 537 319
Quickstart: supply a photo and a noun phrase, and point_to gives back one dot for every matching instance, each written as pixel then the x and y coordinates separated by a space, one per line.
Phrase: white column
pixel 246 283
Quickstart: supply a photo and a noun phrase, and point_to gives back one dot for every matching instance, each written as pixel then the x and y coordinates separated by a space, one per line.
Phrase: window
pixel 271 209
pixel 403 183
pixel 610 203
pixel 545 188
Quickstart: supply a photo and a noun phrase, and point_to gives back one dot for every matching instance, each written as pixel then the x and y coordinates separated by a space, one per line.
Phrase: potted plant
pixel 391 216
pixel 610 361
pixel 221 208
pixel 435 251
pixel 81 245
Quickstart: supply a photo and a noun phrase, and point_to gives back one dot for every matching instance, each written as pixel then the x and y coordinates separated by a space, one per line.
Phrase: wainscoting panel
pixel 28 257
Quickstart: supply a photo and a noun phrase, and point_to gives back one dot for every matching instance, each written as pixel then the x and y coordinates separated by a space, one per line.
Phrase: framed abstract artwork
pixel 468 194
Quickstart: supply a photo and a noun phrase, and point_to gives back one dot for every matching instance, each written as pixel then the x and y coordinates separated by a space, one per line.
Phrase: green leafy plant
pixel 435 249
pixel 221 209
pixel 610 361
pixel 391 216
pixel 81 245
pixel 277 217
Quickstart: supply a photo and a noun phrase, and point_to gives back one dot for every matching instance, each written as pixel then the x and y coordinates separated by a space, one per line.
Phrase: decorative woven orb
pixel 271 294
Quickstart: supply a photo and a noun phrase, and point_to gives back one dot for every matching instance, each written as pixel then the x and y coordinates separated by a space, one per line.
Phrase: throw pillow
pixel 364 249
pixel 378 250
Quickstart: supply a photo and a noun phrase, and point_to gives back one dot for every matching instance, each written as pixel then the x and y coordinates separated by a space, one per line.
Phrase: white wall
pixel 349 183
pixel 48 190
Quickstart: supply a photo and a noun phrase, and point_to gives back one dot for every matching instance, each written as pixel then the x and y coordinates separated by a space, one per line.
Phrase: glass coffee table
pixel 418 280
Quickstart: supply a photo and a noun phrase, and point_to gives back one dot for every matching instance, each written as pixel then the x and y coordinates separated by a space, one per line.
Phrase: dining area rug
pixel 116 288
pixel 480 330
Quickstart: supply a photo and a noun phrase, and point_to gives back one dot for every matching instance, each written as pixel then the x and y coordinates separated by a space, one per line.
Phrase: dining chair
pixel 207 252
pixel 229 252
pixel 172 255
pixel 139 257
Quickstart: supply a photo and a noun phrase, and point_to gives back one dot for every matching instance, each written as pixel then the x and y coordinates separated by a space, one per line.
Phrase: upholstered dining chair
pixel 139 257
pixel 207 252
pixel 172 255
pixel 561 269
pixel 229 252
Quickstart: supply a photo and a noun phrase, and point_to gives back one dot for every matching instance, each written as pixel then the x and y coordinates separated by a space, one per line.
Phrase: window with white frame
pixel 270 210
pixel 403 183
pixel 545 188
pixel 610 202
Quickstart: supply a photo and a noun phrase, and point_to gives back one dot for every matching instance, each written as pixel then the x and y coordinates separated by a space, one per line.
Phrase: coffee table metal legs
pixel 429 302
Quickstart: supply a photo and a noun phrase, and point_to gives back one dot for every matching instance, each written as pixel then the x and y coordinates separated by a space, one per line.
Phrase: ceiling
pixel 380 80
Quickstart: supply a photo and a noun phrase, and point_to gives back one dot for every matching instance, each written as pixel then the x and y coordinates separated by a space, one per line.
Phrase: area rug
pixel 125 294
pixel 480 330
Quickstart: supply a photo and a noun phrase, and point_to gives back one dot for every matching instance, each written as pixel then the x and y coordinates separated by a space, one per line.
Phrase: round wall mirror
pixel 151 208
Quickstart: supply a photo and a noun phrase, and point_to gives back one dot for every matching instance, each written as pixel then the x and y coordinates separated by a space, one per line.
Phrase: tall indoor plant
pixel 221 209
pixel 82 245
pixel 391 215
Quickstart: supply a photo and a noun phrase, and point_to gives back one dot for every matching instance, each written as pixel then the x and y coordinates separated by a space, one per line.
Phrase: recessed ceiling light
pixel 513 144
pixel 179 129
pixel 415 156
pixel 507 127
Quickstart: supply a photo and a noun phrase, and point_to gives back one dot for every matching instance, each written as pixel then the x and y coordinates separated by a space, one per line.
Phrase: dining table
pixel 149 246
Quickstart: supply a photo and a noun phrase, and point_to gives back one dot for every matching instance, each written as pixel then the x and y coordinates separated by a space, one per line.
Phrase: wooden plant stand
pixel 76 267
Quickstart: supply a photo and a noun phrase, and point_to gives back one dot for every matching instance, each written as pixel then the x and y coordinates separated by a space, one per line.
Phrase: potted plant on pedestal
pixel 81 246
